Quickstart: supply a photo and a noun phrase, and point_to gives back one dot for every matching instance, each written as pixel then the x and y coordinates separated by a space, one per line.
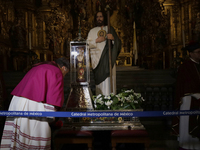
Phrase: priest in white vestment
pixel 99 52
pixel 41 89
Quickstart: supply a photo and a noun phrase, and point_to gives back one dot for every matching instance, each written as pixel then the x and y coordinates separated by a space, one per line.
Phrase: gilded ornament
pixel 101 33
pixel 120 119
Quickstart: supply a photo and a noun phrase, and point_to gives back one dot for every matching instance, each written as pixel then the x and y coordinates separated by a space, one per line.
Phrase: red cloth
pixel 188 81
pixel 56 125
pixel 59 124
pixel 43 83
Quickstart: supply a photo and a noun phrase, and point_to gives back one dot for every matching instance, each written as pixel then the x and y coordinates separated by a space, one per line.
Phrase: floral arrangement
pixel 126 99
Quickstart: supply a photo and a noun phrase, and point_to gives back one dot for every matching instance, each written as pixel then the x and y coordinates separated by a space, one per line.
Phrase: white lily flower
pixel 120 95
pixel 107 97
pixel 131 97
pixel 112 94
pixel 123 99
pixel 108 103
pixel 142 99
pixel 128 99
pixel 100 101
pixel 128 91
pixel 138 95
pixel 98 96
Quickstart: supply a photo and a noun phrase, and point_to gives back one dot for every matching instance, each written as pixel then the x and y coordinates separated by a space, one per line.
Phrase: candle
pixel 135 51
pixel 29 40
pixel 183 36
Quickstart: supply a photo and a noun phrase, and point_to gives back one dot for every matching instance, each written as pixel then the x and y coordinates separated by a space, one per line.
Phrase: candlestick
pixel 29 40
pixel 183 36
pixel 54 48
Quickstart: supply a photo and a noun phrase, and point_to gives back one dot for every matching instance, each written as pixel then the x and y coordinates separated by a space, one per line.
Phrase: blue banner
pixel 99 114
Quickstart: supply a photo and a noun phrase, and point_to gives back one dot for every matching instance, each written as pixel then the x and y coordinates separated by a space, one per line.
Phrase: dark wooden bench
pixel 129 136
pixel 73 137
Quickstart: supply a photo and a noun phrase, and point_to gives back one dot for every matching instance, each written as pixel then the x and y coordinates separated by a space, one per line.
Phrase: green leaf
pixel 126 106
pixel 115 101
pixel 133 106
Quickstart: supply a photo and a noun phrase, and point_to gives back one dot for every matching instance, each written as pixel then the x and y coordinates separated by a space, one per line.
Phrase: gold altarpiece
pixel 45 27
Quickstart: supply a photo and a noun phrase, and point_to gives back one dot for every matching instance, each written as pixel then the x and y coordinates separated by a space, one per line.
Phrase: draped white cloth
pixel 27 133
pixel 186 141
pixel 96 50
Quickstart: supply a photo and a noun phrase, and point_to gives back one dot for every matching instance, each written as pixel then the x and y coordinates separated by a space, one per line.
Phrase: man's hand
pixel 110 36
pixel 100 39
